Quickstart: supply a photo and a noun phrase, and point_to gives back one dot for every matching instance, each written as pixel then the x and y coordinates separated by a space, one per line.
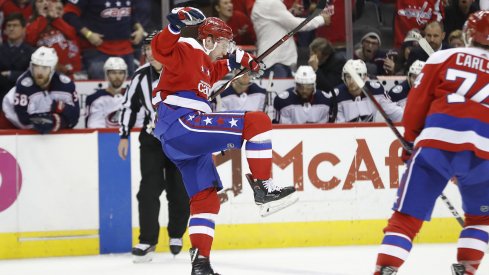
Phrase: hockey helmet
pixel 216 28
pixel 115 64
pixel 416 67
pixel 149 37
pixel 45 56
pixel 358 65
pixel 305 75
pixel 476 28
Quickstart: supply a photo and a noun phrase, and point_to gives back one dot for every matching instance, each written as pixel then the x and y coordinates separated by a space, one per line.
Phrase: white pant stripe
pixel 201 230
pixel 259 154
pixel 394 251
pixel 472 244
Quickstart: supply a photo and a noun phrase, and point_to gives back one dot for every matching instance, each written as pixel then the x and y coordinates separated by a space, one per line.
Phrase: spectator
pixel 455 39
pixel 336 31
pixel 14 53
pixel 42 98
pixel 424 12
pixel 434 34
pixel 410 41
pixel 353 106
pixel 244 6
pixel 272 21
pixel 47 28
pixel 23 7
pixel 109 28
pixel 456 15
pixel 399 93
pixel 327 63
pixel 371 53
pixel 103 106
pixel 242 95
pixel 158 173
pixel 243 31
pixel 303 103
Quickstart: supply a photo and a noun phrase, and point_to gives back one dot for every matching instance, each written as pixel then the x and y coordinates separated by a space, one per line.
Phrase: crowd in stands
pixel 86 34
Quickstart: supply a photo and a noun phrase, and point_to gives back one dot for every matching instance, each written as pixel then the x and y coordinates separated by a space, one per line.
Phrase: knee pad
pixel 471 220
pixel 256 123
pixel 206 201
pixel 405 224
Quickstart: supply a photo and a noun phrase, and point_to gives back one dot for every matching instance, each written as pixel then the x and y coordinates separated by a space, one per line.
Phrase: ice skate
pixel 387 270
pixel 175 246
pixel 458 269
pixel 143 253
pixel 200 265
pixel 271 198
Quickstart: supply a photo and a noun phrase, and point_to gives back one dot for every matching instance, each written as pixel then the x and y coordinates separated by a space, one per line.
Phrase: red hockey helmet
pixel 216 28
pixel 477 27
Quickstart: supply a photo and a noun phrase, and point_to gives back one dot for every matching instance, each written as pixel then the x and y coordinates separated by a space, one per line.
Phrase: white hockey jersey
pixel 103 110
pixel 361 109
pixel 291 109
pixel 251 100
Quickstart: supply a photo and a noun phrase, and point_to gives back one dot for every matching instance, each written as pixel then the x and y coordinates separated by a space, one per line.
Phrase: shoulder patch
pixel 397 89
pixel 27 82
pixel 64 79
pixel 327 94
pixel 375 84
pixel 283 95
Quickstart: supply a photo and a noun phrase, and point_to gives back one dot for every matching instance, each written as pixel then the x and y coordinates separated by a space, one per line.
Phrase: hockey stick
pixel 426 46
pixel 356 78
pixel 320 7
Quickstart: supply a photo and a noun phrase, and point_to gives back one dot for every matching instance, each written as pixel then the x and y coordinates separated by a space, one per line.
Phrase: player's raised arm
pixel 165 42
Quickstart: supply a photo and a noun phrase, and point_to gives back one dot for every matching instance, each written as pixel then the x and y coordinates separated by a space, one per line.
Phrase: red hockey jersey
pixel 448 106
pixel 187 69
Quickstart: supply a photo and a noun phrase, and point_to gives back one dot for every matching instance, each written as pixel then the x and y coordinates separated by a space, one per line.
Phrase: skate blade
pixel 275 206
pixel 143 259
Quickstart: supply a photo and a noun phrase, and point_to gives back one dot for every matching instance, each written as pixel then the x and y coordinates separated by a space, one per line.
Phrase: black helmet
pixel 149 37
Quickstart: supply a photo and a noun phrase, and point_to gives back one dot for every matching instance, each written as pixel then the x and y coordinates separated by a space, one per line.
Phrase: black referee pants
pixel 158 173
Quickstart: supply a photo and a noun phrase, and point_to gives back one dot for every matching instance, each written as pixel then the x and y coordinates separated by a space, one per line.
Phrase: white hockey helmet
pixel 115 64
pixel 305 75
pixel 358 65
pixel 416 67
pixel 45 56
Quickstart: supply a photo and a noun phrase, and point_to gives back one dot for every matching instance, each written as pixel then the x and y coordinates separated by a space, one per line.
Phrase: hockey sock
pixel 397 242
pixel 204 207
pixel 473 242
pixel 257 132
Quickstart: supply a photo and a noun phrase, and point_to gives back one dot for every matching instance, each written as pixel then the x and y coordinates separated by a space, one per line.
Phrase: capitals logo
pixel 116 10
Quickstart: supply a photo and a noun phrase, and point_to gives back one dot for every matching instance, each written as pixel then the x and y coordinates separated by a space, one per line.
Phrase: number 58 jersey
pixel 448 106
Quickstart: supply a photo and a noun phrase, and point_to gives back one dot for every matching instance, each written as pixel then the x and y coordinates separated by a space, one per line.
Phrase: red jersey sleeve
pixel 419 101
pixel 165 48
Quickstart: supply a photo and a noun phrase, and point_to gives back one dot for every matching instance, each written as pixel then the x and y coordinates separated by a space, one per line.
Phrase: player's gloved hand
pixel 187 16
pixel 241 58
pixel 57 107
pixel 406 155
pixel 46 122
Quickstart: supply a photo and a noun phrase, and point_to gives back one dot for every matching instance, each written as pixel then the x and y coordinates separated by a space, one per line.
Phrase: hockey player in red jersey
pixel 447 120
pixel 190 132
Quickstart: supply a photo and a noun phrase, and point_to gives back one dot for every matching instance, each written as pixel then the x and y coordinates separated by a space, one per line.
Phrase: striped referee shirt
pixel 138 96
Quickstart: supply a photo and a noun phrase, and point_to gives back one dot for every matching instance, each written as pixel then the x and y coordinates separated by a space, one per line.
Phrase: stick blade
pixel 426 46
pixel 321 5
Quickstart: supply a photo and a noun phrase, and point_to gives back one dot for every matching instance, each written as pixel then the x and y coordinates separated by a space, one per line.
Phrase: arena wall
pixel 70 194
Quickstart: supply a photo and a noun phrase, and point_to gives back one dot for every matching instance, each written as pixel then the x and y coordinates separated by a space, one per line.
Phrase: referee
pixel 157 171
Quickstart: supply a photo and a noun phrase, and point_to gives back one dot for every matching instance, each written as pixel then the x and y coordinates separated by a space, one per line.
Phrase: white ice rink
pixel 424 260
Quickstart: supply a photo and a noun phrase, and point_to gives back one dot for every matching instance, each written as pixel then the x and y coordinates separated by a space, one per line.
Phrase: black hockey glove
pixel 187 16
pixel 45 122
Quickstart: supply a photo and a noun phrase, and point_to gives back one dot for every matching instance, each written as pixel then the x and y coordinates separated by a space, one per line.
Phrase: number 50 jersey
pixel 448 106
